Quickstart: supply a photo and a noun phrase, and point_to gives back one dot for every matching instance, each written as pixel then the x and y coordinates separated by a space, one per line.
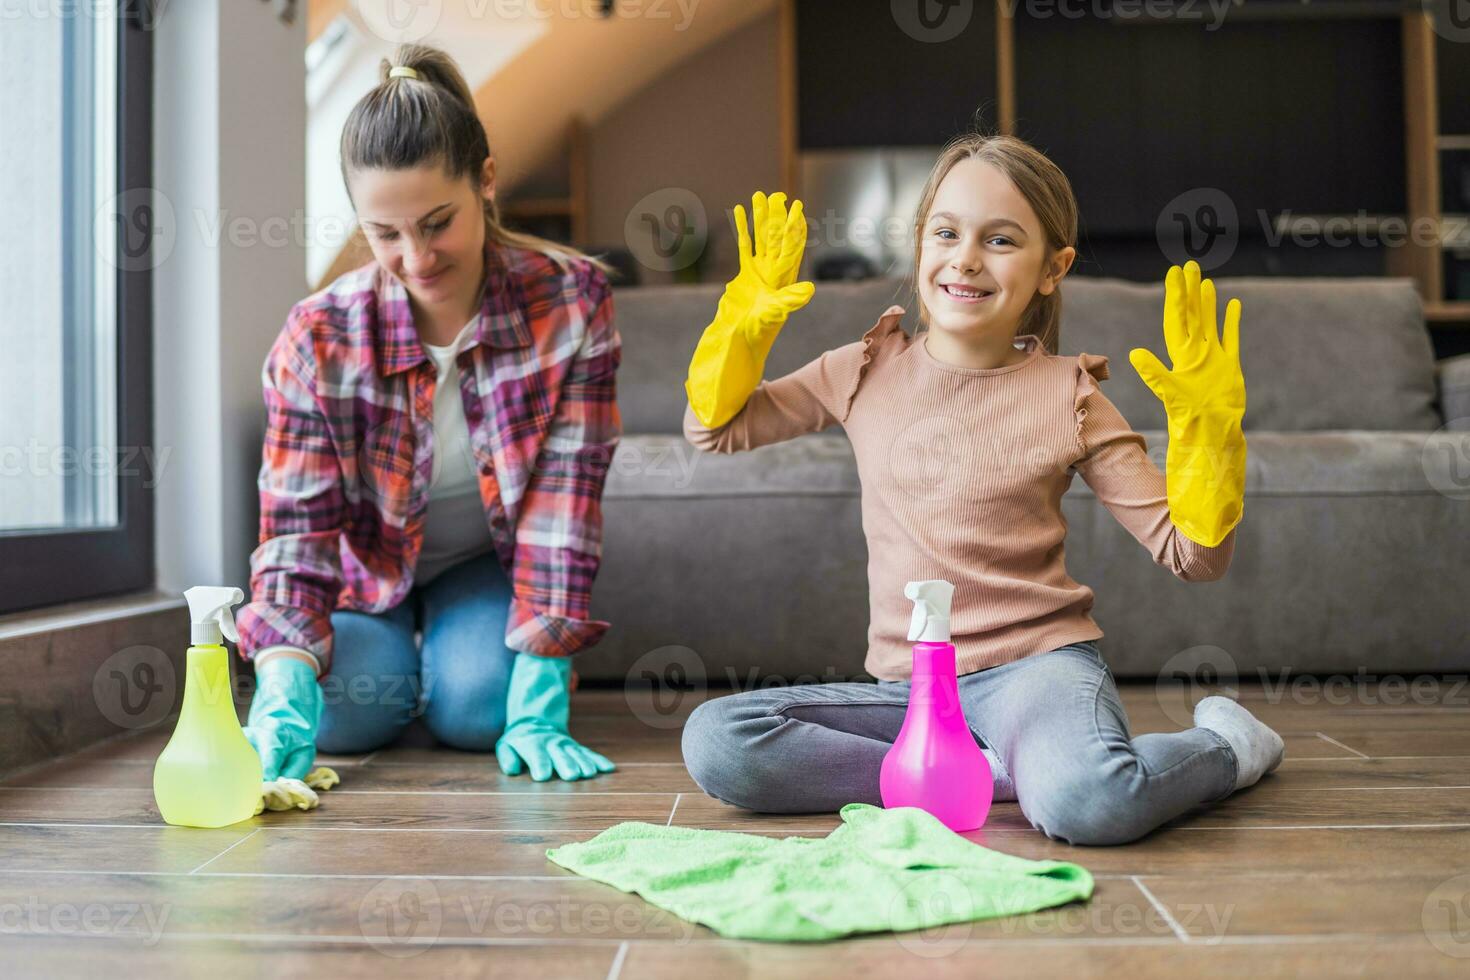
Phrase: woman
pixel 440 423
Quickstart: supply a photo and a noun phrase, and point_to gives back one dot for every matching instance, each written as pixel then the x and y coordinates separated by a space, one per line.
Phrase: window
pixel 75 456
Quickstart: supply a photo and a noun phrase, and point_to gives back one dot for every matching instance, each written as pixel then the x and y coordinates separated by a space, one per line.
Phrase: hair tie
pixel 402 71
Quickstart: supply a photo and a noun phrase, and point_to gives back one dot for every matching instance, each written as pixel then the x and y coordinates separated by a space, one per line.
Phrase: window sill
pixel 70 615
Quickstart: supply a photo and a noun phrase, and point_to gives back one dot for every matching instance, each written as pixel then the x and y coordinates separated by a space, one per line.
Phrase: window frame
pixel 52 565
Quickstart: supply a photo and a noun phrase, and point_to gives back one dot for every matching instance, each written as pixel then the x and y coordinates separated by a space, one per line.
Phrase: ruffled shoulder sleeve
pixel 1091 368
pixel 879 336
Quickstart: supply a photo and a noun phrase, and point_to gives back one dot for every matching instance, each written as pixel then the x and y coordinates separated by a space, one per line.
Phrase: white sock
pixel 1258 749
pixel 1005 790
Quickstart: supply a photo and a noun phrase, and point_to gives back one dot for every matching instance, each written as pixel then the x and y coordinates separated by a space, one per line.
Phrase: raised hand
pixel 731 355
pixel 1204 398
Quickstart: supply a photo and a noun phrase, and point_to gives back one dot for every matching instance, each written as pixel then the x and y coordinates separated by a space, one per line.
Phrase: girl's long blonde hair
pixel 412 122
pixel 1045 188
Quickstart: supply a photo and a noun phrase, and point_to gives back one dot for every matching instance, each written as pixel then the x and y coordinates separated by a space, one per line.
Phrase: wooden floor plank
pixel 535 811
pixel 1247 852
pixel 1263 805
pixel 943 956
pixel 158 849
pixel 1215 906
pixel 288 851
pixel 279 958
pixel 1358 773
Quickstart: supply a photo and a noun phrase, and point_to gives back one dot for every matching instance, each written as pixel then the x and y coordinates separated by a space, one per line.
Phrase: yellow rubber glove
pixel 1204 397
pixel 731 355
pixel 299 794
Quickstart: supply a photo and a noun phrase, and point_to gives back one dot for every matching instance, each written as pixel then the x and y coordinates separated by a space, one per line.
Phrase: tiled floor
pixel 1353 859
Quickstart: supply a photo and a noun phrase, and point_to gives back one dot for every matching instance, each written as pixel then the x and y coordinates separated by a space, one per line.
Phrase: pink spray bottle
pixel 936 764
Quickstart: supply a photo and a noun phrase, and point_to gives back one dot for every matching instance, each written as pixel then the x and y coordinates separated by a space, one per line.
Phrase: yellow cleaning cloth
pixel 298 794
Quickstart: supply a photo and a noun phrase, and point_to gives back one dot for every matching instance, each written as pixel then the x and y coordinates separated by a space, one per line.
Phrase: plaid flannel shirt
pixel 348 455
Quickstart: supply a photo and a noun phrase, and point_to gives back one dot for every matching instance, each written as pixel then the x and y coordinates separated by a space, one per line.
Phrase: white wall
pixel 229 143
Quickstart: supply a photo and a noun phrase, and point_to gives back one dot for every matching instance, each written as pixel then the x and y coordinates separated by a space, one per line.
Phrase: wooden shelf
pixel 575 206
pixel 1455 313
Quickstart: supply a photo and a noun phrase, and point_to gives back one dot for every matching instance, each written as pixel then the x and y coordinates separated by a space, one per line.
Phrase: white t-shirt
pixel 455 528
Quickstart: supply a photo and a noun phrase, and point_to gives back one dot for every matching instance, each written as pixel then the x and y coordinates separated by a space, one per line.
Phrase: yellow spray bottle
pixel 208 775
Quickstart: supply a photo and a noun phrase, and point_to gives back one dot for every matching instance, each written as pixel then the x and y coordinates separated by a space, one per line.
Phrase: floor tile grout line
pixel 674 809
pixel 1333 826
pixel 227 850
pixel 1358 789
pixel 1451 730
pixel 617 963
pixel 1367 758
pixel 1329 738
pixel 1159 907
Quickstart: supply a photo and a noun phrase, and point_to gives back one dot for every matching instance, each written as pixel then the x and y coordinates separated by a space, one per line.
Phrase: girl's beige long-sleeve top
pixel 963 471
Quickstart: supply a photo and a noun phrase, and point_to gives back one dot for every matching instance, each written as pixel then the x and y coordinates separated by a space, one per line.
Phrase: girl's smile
pixel 962 293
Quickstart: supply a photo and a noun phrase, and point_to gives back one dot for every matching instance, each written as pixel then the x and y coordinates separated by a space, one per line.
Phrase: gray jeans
pixel 1054 720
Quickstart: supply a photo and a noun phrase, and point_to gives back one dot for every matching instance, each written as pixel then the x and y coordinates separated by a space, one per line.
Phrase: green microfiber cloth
pixel 882 870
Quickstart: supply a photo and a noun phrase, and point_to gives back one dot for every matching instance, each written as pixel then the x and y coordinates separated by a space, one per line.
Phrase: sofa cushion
pixel 661 326
pixel 1317 353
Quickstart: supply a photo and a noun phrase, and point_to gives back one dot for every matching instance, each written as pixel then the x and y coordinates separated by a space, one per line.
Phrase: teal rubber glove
pixel 536 710
pixel 284 716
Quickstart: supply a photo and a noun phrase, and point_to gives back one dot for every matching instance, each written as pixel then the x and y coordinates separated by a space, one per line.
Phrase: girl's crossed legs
pixel 1055 720
pixel 381 680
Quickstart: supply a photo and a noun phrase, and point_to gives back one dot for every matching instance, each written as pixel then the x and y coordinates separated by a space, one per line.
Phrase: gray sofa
pixel 750 568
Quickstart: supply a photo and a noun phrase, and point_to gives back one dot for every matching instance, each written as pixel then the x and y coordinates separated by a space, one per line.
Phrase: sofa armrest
pixel 1453 376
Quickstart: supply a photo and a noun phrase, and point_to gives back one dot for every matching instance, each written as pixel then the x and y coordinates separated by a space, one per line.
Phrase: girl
pixel 439 427
pixel 966 436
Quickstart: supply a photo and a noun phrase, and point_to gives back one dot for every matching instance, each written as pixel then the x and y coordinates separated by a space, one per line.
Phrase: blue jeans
pixel 1054 719
pixel 381 679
